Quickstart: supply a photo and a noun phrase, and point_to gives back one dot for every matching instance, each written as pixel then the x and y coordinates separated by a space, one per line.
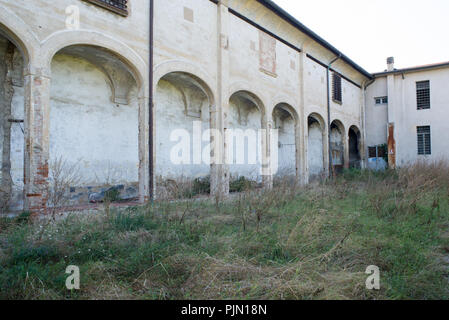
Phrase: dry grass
pixel 287 243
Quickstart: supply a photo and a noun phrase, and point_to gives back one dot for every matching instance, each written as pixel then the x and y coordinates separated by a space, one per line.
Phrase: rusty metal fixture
pixel 117 6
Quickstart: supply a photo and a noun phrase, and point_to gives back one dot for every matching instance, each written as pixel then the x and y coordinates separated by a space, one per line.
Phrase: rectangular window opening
pixel 381 100
pixel 336 88
pixel 424 140
pixel 423 95
pixel 117 6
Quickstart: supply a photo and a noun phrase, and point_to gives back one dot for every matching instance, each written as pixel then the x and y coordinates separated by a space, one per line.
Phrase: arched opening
pixel 244 137
pixel 183 136
pixel 337 146
pixel 354 147
pixel 94 127
pixel 12 115
pixel 285 121
pixel 315 150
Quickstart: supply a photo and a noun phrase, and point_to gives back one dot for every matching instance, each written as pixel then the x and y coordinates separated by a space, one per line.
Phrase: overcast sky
pixel 415 32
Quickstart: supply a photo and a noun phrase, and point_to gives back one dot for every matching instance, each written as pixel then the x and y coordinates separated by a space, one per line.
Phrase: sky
pixel 414 32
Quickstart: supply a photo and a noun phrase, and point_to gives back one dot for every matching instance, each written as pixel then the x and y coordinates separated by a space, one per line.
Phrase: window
pixel 336 88
pixel 381 100
pixel 424 141
pixel 423 94
pixel 117 6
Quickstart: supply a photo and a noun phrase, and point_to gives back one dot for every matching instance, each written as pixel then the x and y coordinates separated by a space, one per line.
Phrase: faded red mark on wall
pixel 267 52
pixel 391 147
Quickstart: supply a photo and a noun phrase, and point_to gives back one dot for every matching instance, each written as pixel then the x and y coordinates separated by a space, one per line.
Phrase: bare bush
pixel 63 176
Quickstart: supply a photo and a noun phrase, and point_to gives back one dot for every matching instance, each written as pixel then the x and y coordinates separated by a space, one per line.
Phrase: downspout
pixel 365 86
pixel 151 104
pixel 329 113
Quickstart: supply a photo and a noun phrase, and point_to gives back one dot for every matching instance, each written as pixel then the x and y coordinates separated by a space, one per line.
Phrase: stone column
pixel 144 177
pixel 219 169
pixel 37 138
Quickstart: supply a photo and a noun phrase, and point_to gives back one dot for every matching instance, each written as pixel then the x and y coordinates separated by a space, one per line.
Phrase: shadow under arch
pixel 286 121
pixel 184 106
pixel 96 102
pixel 337 147
pixel 87 38
pixel 355 147
pixel 316 145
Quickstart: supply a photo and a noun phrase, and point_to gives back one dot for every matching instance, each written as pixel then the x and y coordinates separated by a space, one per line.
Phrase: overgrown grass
pixel 288 243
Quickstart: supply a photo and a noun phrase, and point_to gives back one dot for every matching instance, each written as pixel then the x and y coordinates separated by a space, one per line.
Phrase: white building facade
pixel 407 110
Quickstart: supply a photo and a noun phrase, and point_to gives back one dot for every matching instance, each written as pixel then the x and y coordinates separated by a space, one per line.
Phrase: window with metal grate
pixel 336 88
pixel 117 6
pixel 381 100
pixel 424 140
pixel 423 94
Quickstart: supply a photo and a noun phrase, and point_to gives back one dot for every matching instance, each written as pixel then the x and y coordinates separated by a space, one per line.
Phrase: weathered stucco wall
pixel 182 122
pixel 315 150
pixel 72 102
pixel 285 124
pixel 245 115
pixel 87 129
pixel 376 115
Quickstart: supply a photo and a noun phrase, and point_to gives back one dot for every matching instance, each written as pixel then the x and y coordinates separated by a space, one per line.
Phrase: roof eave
pixel 293 21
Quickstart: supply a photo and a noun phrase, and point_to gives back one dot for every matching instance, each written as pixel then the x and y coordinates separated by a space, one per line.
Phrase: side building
pixel 407 110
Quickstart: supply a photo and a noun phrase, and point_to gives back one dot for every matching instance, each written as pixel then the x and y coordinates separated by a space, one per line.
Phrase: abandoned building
pixel 100 88
pixel 406 109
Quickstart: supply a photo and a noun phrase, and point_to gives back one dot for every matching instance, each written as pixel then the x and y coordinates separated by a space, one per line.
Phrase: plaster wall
pixel 87 129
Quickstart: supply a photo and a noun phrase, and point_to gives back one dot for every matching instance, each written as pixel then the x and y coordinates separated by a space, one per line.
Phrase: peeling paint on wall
pixel 267 53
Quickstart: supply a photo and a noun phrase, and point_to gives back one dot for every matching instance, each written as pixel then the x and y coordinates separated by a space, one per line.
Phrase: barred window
pixel 424 141
pixel 336 88
pixel 381 100
pixel 117 6
pixel 423 94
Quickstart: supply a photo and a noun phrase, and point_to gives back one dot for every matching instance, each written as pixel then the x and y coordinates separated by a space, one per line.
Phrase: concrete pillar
pixel 144 192
pixel 219 169
pixel 37 139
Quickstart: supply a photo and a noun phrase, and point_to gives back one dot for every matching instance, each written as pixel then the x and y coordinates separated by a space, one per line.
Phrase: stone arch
pixel 195 71
pixel 317 145
pixel 246 149
pixel 355 147
pixel 286 121
pixel 69 38
pixel 338 146
pixel 105 102
pixel 184 105
pixel 18 32
pixel 257 97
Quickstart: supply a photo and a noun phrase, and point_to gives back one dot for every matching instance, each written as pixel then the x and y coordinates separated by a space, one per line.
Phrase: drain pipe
pixel 329 114
pixel 151 103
